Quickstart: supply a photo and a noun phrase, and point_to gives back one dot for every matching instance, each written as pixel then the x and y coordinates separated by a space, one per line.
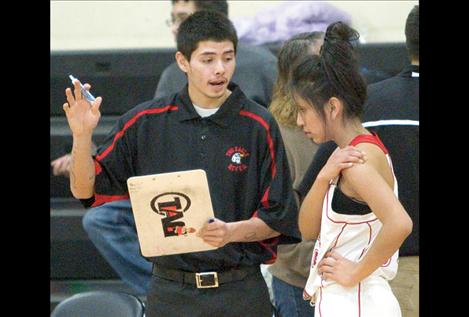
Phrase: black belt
pixel 205 279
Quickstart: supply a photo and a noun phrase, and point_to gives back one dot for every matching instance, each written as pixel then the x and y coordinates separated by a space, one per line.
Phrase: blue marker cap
pixel 85 92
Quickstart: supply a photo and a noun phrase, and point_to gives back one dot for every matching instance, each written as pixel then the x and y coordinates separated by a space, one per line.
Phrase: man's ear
pixel 182 62
pixel 335 107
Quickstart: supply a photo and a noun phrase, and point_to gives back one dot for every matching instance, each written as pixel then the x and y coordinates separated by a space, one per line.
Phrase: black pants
pixel 245 298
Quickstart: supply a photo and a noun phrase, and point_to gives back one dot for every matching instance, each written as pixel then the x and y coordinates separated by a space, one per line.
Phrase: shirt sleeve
pixel 278 208
pixel 112 167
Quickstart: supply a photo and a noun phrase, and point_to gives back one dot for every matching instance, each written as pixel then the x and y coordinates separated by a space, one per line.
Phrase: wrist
pixel 358 273
pixel 322 178
pixel 82 134
pixel 230 232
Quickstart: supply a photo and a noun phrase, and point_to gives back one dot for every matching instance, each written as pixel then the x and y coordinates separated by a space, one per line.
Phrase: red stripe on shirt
pixel 269 137
pixel 273 168
pixel 265 198
pixel 265 243
pixel 102 199
pixel 129 123
pixel 97 167
pixel 274 241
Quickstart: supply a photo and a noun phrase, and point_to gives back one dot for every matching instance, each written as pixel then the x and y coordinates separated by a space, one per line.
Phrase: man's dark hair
pixel 204 26
pixel 212 5
pixel 412 33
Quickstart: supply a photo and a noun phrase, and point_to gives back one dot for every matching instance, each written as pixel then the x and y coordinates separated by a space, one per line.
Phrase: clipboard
pixel 169 209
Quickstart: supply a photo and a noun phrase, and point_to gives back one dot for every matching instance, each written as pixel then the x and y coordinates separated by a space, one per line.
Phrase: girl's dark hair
pixel 292 50
pixel 334 73
pixel 204 26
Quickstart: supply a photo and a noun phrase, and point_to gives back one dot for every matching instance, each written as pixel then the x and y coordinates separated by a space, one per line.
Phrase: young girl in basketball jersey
pixel 352 209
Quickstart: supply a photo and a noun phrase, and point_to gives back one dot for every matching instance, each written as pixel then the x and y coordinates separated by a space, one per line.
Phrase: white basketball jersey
pixel 350 235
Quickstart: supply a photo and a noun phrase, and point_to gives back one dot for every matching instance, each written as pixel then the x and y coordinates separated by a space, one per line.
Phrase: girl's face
pixel 310 121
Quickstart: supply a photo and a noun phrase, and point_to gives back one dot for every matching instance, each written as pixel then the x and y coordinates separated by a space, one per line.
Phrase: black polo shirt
pixel 167 135
pixel 392 111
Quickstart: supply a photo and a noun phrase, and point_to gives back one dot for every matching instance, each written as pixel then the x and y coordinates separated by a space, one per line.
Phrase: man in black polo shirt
pixel 392 111
pixel 209 125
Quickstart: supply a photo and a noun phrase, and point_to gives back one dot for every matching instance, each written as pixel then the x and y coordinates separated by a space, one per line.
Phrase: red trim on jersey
pixel 269 137
pixel 101 199
pixel 129 123
pixel 320 300
pixel 387 262
pixel 374 139
pixel 369 240
pixel 337 238
pixel 359 304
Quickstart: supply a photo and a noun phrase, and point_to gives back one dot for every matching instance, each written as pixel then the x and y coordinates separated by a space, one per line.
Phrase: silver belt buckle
pixel 206 279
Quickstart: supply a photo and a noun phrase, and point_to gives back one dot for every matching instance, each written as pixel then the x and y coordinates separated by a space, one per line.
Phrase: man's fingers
pixel 66 108
pixel 56 169
pixel 70 98
pixel 77 90
pixel 60 165
pixel 213 242
pixel 96 105
pixel 210 235
pixel 87 86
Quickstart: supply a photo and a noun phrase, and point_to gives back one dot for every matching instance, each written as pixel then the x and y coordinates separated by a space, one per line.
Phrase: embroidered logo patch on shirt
pixel 238 156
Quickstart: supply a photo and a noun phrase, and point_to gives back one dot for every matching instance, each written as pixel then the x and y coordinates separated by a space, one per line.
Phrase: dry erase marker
pixel 85 92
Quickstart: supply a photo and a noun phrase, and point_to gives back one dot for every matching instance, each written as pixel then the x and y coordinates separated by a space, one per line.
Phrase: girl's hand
pixel 338 269
pixel 341 159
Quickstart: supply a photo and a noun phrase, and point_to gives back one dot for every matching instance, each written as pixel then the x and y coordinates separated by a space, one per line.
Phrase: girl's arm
pixel 371 187
pixel 309 218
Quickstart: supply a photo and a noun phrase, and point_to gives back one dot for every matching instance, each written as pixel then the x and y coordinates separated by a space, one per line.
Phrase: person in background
pixel 290 270
pixel 352 209
pixel 275 24
pixel 392 111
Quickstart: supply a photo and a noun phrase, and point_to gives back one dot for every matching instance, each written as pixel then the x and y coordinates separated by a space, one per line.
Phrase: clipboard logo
pixel 172 206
